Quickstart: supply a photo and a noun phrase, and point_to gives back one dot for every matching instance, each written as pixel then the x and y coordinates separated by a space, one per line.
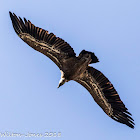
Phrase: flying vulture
pixel 74 68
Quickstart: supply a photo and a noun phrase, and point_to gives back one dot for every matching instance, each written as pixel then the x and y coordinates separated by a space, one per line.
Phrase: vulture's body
pixel 74 68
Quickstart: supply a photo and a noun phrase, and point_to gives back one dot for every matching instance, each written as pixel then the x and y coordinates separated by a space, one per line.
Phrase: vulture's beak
pixel 59 85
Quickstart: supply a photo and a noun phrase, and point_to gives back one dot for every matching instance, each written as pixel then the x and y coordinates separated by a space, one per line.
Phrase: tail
pixel 93 57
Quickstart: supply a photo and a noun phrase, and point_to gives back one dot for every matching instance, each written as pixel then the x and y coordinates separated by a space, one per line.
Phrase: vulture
pixel 74 67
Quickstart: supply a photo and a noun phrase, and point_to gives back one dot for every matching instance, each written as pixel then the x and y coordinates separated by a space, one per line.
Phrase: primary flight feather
pixel 74 68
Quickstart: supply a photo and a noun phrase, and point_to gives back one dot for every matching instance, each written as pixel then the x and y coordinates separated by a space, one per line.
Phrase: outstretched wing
pixel 105 96
pixel 54 47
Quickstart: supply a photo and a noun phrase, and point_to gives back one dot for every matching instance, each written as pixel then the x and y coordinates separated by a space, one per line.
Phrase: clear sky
pixel 29 98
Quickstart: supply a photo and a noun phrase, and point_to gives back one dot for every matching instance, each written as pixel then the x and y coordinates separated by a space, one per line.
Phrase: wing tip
pixel 17 25
pixel 127 121
pixel 10 13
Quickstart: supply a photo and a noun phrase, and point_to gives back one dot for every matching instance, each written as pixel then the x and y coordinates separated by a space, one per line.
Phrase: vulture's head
pixel 62 82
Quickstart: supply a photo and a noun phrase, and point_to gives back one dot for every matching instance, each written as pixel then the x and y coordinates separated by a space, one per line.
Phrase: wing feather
pixel 39 39
pixel 105 95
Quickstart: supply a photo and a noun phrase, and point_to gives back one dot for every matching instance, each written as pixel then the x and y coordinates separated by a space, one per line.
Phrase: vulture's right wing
pixel 39 39
pixel 105 96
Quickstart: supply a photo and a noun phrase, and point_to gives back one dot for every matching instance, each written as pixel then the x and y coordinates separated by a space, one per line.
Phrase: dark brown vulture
pixel 74 68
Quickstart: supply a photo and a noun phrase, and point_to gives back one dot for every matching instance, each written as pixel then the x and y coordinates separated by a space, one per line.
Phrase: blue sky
pixel 30 101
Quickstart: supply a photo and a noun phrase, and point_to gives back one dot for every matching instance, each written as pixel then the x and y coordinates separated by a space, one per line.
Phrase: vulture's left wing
pixel 105 96
pixel 39 39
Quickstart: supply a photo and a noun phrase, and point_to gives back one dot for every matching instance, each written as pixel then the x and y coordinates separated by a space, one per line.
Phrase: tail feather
pixel 93 57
